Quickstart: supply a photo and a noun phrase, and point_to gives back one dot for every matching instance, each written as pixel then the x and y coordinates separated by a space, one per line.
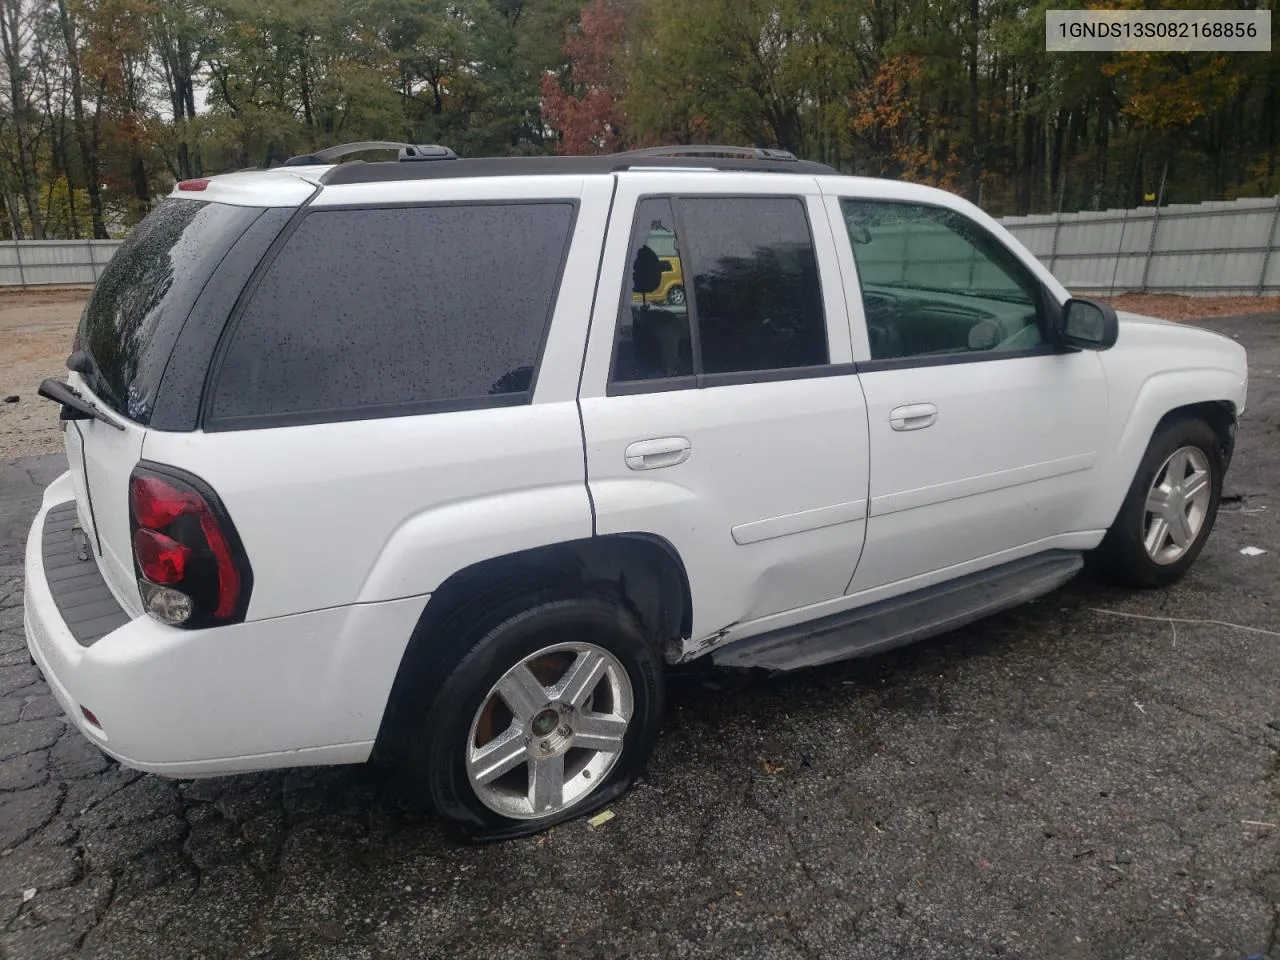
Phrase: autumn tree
pixel 913 137
pixel 104 103
pixel 583 104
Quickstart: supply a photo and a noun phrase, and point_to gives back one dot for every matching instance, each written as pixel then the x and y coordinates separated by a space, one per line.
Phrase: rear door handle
pixel 654 454
pixel 913 416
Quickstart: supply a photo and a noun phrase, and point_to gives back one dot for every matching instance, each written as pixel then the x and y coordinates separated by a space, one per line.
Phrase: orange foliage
pixel 893 109
pixel 587 114
pixel 1162 96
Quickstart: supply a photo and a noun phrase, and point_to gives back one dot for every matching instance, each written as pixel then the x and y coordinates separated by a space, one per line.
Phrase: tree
pixel 585 107
pixel 15 43
pixel 86 126
pixel 181 40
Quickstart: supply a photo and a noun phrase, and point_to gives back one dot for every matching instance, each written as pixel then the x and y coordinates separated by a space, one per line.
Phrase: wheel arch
pixel 1211 395
pixel 642 570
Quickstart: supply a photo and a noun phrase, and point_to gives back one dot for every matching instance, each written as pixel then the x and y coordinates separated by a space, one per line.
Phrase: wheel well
pixel 1219 414
pixel 642 571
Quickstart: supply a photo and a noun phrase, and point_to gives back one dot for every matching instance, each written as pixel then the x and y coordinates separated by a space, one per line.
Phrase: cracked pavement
pixel 1053 782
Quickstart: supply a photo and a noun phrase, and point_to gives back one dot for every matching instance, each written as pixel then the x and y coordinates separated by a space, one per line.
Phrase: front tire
pixel 550 710
pixel 1170 508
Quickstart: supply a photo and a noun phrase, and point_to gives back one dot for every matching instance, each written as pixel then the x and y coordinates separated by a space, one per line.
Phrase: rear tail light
pixel 192 570
pixel 160 559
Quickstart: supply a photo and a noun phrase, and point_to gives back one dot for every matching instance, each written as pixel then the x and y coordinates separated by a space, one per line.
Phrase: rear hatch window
pixel 140 303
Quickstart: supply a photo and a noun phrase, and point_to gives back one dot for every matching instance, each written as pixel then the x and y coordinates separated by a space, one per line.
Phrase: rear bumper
pixel 289 691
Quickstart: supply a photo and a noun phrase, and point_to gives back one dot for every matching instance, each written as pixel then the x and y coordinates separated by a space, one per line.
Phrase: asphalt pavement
pixel 1079 778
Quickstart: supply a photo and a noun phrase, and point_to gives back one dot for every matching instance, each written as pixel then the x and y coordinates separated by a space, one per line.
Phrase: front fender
pixel 430 546
pixel 1142 409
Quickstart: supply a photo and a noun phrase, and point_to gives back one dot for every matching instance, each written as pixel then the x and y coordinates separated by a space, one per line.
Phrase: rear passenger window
pixel 383 312
pixel 740 271
pixel 756 293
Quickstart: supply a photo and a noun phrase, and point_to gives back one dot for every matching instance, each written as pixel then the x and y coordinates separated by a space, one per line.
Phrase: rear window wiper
pixel 74 405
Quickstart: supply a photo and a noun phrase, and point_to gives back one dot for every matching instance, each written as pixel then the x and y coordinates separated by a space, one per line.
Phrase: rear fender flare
pixel 430 546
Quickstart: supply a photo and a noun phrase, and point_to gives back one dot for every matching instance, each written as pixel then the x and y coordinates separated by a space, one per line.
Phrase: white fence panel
pixel 1219 247
pixel 36 263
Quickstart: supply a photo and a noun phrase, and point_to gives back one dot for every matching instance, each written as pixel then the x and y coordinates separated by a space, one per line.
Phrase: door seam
pixel 586 344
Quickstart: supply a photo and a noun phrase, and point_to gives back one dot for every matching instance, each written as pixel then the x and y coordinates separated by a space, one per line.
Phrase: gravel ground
pixel 1172 307
pixel 36 329
pixel 1062 781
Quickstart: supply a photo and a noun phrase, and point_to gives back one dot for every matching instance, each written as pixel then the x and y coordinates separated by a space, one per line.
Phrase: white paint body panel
pixel 408 501
pixel 793 500
pixel 101 458
pixel 1010 460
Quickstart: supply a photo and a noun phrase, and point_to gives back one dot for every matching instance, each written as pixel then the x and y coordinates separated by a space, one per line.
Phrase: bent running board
pixel 900 620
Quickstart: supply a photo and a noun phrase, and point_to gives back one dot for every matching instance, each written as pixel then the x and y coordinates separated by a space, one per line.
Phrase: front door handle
pixel 913 416
pixel 653 454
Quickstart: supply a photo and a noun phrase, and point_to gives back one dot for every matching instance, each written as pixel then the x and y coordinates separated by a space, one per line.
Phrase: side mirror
pixel 1086 324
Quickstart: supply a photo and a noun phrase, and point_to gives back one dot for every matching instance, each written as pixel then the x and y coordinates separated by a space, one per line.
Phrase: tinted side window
pixel 393 311
pixel 934 282
pixel 741 271
pixel 756 294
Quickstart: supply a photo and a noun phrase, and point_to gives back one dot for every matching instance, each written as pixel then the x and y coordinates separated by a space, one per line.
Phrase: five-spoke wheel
pixel 549 731
pixel 1177 504
pixel 1170 507
pixel 531 710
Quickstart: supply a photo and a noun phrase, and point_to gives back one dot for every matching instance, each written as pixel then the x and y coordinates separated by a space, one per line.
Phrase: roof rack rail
pixel 711 150
pixel 407 151
pixel 426 151
pixel 755 160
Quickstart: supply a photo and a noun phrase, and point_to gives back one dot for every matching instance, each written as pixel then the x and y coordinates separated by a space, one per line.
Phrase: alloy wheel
pixel 1177 505
pixel 549 731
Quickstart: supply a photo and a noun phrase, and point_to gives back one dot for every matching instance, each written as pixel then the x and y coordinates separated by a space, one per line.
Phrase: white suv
pixel 405 459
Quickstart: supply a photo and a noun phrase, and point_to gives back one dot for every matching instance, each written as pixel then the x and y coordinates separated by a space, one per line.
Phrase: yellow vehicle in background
pixel 671 289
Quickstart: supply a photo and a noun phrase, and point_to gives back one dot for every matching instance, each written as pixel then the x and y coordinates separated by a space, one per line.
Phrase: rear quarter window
pixel 395 311
pixel 142 300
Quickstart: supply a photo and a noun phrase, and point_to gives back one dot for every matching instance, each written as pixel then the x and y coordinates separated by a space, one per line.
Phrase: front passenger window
pixel 936 283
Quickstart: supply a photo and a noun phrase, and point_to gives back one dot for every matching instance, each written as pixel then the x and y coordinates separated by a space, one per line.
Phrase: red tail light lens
pixel 161 559
pixel 192 570
pixel 156 504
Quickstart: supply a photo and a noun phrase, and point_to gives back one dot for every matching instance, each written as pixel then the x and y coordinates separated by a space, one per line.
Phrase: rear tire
pixel 510 745
pixel 1169 510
